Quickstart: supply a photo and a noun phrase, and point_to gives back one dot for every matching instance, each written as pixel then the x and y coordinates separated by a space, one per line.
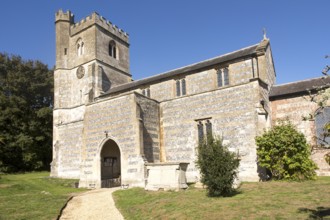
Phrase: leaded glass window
pixel 200 128
pixel 178 88
pixel 183 82
pixel 322 119
pixel 223 77
pixel 181 87
pixel 220 78
pixel 204 127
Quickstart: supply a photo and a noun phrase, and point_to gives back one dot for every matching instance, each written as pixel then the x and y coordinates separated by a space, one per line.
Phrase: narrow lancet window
pixel 223 77
pixel 219 74
pixel 208 125
pixel 200 128
pixel 181 87
pixel 148 92
pixel 80 47
pixel 183 82
pixel 178 88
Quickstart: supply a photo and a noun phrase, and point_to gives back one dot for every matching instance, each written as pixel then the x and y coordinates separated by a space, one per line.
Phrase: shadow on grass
pixel 318 213
pixel 230 194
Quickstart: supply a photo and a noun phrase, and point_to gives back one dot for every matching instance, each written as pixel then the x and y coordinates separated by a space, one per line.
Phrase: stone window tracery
pixel 180 87
pixel 204 128
pixel 223 77
pixel 80 47
pixel 146 92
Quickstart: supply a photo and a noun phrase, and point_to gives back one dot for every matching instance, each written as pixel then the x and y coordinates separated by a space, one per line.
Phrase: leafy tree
pixel 285 153
pixel 25 114
pixel 218 167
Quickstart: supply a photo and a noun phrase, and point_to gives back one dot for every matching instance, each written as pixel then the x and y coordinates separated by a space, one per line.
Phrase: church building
pixel 110 130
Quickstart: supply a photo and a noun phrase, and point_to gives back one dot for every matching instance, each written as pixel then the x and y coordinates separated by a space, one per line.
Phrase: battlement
pixel 95 18
pixel 64 16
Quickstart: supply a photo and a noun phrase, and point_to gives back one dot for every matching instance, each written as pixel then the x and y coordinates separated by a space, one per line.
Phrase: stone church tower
pixel 92 56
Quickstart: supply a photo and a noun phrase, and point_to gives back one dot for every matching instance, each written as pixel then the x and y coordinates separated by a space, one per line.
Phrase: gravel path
pixel 94 204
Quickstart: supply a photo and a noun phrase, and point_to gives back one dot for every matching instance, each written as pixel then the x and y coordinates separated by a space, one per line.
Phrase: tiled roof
pixel 298 87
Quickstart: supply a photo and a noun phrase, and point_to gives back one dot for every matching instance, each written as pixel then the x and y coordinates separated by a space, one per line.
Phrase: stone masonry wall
pixel 67 149
pixel 150 119
pixel 266 67
pixel 233 117
pixel 293 108
pixel 114 119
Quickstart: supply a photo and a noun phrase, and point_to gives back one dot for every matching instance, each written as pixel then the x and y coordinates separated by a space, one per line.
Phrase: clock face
pixel 80 72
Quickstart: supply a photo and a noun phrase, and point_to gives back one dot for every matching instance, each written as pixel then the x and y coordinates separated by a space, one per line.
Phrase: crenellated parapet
pixel 64 16
pixel 95 18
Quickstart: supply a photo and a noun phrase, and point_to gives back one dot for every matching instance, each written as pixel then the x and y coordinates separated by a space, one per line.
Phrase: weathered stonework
pixel 293 106
pixel 110 130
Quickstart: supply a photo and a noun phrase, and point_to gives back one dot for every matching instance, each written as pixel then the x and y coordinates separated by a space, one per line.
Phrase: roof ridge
pixel 300 81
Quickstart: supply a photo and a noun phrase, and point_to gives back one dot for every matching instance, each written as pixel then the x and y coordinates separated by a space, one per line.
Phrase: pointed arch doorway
pixel 110 165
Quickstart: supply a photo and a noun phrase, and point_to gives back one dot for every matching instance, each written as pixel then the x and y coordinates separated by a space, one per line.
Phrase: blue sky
pixel 167 34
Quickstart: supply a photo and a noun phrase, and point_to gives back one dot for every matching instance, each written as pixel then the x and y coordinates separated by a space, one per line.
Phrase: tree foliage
pixel 218 167
pixel 25 114
pixel 285 153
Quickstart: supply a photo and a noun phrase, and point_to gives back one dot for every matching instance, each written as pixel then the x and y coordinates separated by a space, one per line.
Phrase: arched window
pixel 112 49
pixel 80 47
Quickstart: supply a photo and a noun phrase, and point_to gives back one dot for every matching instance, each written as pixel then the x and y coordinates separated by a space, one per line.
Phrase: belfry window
pixel 80 47
pixel 180 87
pixel 112 49
pixel 223 77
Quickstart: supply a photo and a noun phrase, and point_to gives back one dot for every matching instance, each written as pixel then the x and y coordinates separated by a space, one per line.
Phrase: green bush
pixel 285 153
pixel 218 167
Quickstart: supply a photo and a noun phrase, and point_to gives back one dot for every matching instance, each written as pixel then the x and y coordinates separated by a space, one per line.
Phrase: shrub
pixel 218 167
pixel 327 158
pixel 284 152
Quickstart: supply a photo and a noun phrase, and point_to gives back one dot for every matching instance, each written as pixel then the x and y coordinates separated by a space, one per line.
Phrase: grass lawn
pixel 262 200
pixel 33 196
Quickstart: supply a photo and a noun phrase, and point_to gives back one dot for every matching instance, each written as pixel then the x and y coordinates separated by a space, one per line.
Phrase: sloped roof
pixel 239 54
pixel 298 87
